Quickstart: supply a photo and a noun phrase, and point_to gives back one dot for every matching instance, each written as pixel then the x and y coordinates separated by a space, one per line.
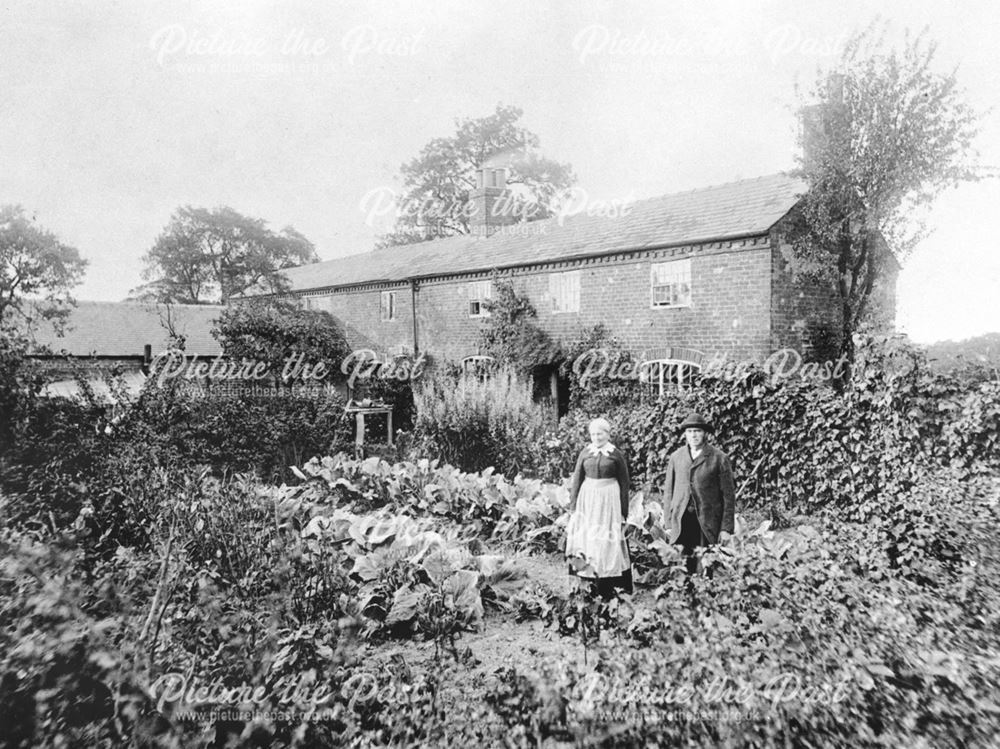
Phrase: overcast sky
pixel 116 113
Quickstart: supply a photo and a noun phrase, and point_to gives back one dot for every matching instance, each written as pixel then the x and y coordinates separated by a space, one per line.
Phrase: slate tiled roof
pixel 743 208
pixel 124 328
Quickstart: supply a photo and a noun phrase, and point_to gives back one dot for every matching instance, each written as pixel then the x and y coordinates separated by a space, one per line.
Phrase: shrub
pixel 227 590
pixel 68 458
pixel 972 435
pixel 399 394
pixel 588 363
pixel 559 448
pixel 801 446
pixel 473 423
pixel 59 668
pixel 275 331
pixel 510 334
pixel 260 433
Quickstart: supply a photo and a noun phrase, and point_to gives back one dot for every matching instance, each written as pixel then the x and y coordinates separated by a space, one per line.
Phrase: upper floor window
pixel 388 305
pixel 671 283
pixel 479 292
pixel 564 288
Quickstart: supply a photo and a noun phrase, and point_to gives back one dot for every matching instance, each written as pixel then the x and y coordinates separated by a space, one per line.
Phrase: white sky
pixel 113 114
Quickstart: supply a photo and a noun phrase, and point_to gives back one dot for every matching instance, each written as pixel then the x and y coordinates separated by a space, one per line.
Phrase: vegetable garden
pixel 150 595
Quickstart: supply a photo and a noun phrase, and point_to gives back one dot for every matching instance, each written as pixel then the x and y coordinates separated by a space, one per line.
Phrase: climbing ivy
pixel 511 335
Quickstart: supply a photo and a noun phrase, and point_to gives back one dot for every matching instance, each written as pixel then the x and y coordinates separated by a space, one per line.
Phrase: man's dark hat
pixel 697 421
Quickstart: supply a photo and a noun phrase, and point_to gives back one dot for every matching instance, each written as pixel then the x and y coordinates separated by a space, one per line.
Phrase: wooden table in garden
pixel 360 412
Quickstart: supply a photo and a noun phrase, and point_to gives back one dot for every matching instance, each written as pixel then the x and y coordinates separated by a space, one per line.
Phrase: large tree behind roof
pixel 888 133
pixel 438 182
pixel 37 271
pixel 209 256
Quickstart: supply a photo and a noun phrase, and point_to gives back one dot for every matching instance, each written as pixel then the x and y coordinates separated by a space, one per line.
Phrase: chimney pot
pixel 491 183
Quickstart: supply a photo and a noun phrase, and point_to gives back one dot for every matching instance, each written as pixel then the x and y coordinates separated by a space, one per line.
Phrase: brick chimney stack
pixel 492 206
pixel 813 119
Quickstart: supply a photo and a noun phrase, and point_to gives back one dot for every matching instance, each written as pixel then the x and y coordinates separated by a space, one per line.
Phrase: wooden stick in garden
pixel 155 606
pixel 750 476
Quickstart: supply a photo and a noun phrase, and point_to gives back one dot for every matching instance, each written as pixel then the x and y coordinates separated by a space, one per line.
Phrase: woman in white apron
pixel 595 536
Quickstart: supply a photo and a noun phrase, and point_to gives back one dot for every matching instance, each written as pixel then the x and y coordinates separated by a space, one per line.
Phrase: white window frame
pixel 661 374
pixel 672 280
pixel 479 366
pixel 479 292
pixel 387 306
pixel 564 290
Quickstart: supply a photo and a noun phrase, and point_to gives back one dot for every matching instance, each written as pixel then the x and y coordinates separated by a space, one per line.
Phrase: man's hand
pixel 724 536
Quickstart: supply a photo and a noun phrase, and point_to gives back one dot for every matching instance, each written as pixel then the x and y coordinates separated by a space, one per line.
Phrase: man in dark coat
pixel 699 492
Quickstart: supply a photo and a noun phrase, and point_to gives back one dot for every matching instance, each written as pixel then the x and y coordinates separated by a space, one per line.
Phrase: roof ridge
pixel 134 303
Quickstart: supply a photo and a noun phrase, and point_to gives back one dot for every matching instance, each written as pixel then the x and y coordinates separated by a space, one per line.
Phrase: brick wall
pixel 359 311
pixel 728 312
pixel 807 316
pixel 444 328
pixel 730 309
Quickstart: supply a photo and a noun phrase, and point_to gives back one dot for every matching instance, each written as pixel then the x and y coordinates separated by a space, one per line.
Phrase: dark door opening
pixel 547 384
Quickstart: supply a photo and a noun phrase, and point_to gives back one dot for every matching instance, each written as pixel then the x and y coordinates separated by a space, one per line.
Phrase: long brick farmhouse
pixel 699 270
